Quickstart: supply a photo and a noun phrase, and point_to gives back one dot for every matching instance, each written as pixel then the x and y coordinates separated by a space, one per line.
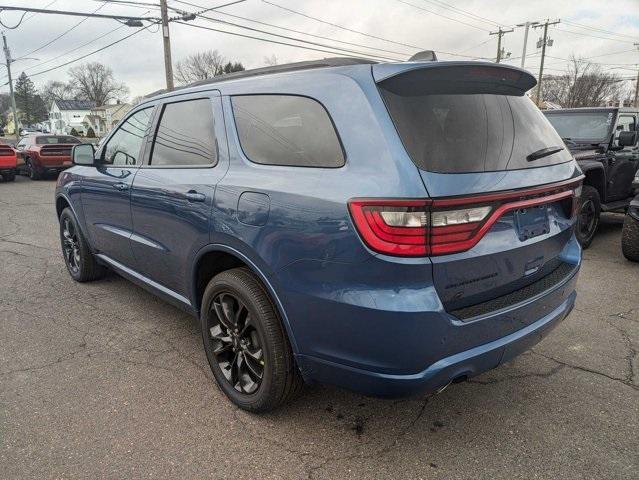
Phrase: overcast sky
pixel 452 26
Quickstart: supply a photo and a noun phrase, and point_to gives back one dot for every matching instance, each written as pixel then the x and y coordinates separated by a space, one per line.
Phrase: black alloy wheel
pixel 80 261
pixel 236 343
pixel 246 343
pixel 71 246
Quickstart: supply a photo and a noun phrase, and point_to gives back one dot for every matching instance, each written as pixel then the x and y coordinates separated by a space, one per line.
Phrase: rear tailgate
pixel 501 183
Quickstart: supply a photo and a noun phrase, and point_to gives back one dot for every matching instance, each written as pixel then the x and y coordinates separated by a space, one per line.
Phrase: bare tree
pixel 583 85
pixel 199 66
pixel 55 90
pixel 270 61
pixel 94 81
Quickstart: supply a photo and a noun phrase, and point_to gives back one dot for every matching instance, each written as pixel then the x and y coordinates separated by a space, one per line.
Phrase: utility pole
pixel 7 56
pixel 168 66
pixel 545 41
pixel 500 33
pixel 523 53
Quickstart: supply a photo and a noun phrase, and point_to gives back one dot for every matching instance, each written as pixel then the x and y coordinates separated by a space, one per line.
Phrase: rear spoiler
pixel 482 76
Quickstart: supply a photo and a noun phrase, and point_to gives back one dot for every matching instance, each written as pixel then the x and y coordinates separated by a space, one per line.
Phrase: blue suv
pixel 385 227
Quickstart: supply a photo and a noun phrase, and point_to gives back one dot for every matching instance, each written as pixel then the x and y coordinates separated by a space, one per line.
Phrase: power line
pixel 341 27
pixel 286 37
pixel 442 15
pixel 463 12
pixel 595 29
pixel 593 36
pixel 93 52
pixel 333 52
pixel 62 34
pixel 300 31
pixel 76 14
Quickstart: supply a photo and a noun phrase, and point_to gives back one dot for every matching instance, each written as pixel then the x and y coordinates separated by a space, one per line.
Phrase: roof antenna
pixel 424 56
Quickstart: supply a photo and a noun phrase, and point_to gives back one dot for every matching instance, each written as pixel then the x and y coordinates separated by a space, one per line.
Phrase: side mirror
pixel 83 154
pixel 627 139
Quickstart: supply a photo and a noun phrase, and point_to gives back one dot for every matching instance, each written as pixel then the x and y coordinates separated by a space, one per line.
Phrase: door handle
pixel 121 186
pixel 193 196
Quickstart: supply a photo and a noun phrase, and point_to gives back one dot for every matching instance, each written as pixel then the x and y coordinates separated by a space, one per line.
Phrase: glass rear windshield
pixel 451 127
pixel 53 139
pixel 583 126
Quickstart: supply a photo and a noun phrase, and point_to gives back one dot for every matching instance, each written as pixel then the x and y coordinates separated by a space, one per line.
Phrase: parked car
pixel 630 231
pixel 42 154
pixel 604 143
pixel 28 131
pixel 387 228
pixel 8 163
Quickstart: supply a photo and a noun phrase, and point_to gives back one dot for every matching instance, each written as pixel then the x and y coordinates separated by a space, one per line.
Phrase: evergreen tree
pixel 28 101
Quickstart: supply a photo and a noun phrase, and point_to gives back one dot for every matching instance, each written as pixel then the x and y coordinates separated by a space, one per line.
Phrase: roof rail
pixel 286 67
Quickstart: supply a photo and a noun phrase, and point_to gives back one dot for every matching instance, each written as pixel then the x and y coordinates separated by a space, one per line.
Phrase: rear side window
pixel 460 127
pixel 286 130
pixel 186 135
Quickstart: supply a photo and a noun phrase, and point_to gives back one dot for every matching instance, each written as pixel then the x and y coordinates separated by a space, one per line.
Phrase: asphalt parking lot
pixel 103 380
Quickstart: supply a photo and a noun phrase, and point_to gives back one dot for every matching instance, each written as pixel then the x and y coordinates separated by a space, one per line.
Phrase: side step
pixel 618 205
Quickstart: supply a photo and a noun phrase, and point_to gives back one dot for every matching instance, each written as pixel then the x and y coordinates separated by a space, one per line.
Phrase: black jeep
pixel 630 232
pixel 604 143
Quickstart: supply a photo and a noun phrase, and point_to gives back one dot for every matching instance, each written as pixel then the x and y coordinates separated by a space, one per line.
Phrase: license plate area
pixel 532 222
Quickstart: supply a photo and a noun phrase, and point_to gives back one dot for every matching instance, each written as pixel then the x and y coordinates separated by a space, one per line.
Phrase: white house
pixel 102 119
pixel 67 114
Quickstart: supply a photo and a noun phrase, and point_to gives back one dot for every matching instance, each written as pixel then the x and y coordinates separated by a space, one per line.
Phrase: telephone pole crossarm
pixel 500 33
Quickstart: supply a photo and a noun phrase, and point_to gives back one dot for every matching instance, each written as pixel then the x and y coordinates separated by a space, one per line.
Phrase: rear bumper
pixel 464 364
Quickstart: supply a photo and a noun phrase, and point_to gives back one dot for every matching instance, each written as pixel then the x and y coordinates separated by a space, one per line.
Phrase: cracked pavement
pixel 104 380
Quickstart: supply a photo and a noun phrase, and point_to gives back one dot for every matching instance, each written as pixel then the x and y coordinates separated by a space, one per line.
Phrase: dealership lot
pixel 105 380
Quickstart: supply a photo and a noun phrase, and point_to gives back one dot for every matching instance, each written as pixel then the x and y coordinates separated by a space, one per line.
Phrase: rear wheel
pixel 81 263
pixel 588 218
pixel 630 238
pixel 32 170
pixel 246 344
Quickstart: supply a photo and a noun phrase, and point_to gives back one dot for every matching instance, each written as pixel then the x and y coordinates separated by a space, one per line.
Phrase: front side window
pixel 123 148
pixel 286 130
pixel 591 127
pixel 186 135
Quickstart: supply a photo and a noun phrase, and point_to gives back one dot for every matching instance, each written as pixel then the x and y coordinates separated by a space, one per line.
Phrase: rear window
pixel 48 140
pixel 286 130
pixel 451 127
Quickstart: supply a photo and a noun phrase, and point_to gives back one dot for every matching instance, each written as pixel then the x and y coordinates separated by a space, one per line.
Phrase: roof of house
pixel 75 104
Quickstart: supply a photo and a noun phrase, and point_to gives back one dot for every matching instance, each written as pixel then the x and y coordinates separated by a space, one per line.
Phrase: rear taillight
pixel 413 228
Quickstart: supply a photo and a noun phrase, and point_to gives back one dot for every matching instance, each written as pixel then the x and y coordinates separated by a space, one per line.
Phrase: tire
pixel 243 334
pixel 630 238
pixel 9 177
pixel 81 263
pixel 588 217
pixel 32 171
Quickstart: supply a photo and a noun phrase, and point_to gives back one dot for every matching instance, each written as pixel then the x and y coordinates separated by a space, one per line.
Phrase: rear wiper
pixel 544 152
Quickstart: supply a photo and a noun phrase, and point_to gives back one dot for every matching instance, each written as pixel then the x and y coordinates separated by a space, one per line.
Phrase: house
pixel 65 115
pixel 102 119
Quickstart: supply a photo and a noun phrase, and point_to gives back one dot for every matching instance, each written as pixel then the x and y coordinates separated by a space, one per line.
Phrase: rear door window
pixel 461 127
pixel 286 130
pixel 185 135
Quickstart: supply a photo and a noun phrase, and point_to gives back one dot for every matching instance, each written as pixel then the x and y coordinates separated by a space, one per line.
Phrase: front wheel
pixel 588 218
pixel 630 238
pixel 246 344
pixel 80 261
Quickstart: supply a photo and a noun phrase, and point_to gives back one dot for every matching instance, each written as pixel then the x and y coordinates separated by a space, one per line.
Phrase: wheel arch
pixel 217 258
pixel 596 178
